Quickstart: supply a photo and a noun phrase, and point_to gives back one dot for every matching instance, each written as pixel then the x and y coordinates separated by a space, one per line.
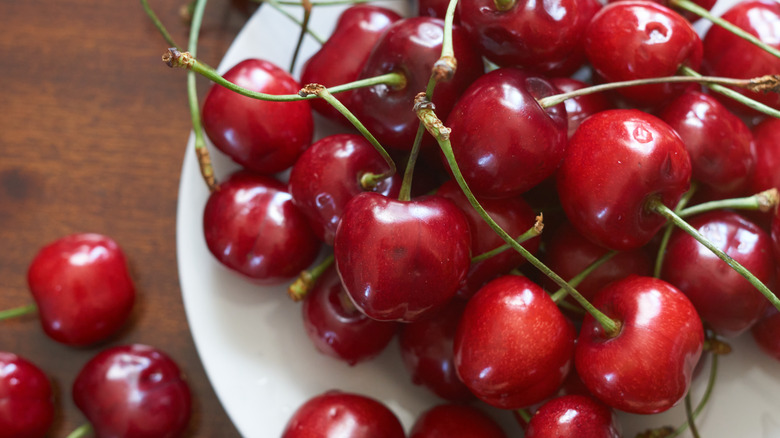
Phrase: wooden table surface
pixel 92 135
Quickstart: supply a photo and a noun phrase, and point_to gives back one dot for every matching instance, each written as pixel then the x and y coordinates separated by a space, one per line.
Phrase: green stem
pixel 534 231
pixel 728 92
pixel 689 416
pixel 18 311
pixel 705 398
pixel 657 206
pixel 158 24
pixel 765 201
pixel 82 431
pixel 668 228
pixel 405 193
pixel 524 414
pixel 558 296
pixel 276 5
pixel 303 284
pixel 304 28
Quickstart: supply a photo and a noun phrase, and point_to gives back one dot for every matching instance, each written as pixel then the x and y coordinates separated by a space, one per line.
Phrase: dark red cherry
pixel 724 299
pixel 706 4
pixel 448 421
pixel 775 234
pixel 411 46
pixel 767 150
pixel 573 416
pixel 766 333
pixel 435 8
pixel 582 107
pixel 616 162
pixel 401 259
pixel 505 143
pixel 719 143
pixel 337 328
pixel 513 347
pixel 640 39
pixel 26 401
pixel 265 137
pixel 646 367
pixel 357 31
pixel 426 349
pixel 133 391
pixel 328 174
pixel 336 414
pixel 251 226
pixel 82 287
pixel 544 37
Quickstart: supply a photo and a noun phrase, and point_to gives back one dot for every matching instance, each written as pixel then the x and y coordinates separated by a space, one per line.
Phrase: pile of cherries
pixel 410 260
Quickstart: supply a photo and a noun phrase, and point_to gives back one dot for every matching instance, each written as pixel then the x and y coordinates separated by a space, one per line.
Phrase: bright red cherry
pixel 133 391
pixel 251 226
pixel 82 287
pixel 26 402
pixel 581 107
pixel 767 150
pixel 766 333
pixel 448 421
pixel 401 259
pixel 573 416
pixel 265 137
pixel 513 347
pixel 646 367
pixel 615 163
pixel 336 414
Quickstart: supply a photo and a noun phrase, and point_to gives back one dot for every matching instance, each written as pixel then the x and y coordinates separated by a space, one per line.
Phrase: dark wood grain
pixel 93 128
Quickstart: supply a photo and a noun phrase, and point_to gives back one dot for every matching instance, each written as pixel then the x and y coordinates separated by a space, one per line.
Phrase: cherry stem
pixel 764 202
pixel 689 416
pixel 158 24
pixel 741 98
pixel 436 128
pixel 655 204
pixel 695 9
pixel 575 281
pixel 704 399
pixel 82 431
pixel 504 5
pixel 18 311
pixel 306 280
pixel 668 228
pixel 524 414
pixel 534 231
pixel 769 82
pixel 304 27
pixel 276 5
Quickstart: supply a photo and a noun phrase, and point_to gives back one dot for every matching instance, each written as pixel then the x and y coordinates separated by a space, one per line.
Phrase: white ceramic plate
pixel 262 365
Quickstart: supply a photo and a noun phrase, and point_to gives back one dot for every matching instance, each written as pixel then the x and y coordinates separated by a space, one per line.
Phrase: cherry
pixel 767 151
pixel 513 347
pixel 645 367
pixel 544 37
pixel 265 137
pixel 26 402
pixel 401 259
pixel 706 4
pixel 581 107
pixel 573 416
pixel 447 421
pixel 766 333
pixel 329 173
pixel 357 31
pixel 640 39
pixel 722 297
pixel 526 142
pixel 133 391
pixel 435 8
pixel 82 288
pixel 337 328
pixel 336 414
pixel 251 226
pixel 616 162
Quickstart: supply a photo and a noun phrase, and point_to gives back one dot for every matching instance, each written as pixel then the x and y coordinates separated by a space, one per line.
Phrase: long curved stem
pixel 18 311
pixel 765 201
pixel 534 231
pixel 741 98
pixel 668 229
pixel 579 278
pixel 304 28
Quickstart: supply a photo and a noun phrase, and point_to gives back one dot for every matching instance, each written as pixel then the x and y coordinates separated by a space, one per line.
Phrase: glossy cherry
pixel 133 391
pixel 265 137
pixel 337 328
pixel 337 414
pixel 328 174
pixel 615 163
pixel 646 367
pixel 356 32
pixel 401 259
pixel 722 297
pixel 513 347
pixel 26 401
pixel 251 226
pixel 525 143
pixel 706 4
pixel 766 333
pixel 435 8
pixel 640 39
pixel 581 107
pixel 767 150
pixel 463 421
pixel 82 287
pixel 573 416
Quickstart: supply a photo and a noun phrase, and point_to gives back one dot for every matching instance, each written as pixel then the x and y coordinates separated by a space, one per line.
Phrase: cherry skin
pixel 706 4
pixel 463 421
pixel 573 416
pixel 646 367
pixel 615 163
pixel 252 227
pixel 513 347
pixel 640 39
pixel 505 143
pixel 722 297
pixel 337 328
pixel 401 259
pixel 336 414
pixel 265 137
pixel 357 31
pixel 133 391
pixel 766 333
pixel 26 401
pixel 435 8
pixel 327 175
pixel 82 288
pixel 767 151
pixel 581 107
